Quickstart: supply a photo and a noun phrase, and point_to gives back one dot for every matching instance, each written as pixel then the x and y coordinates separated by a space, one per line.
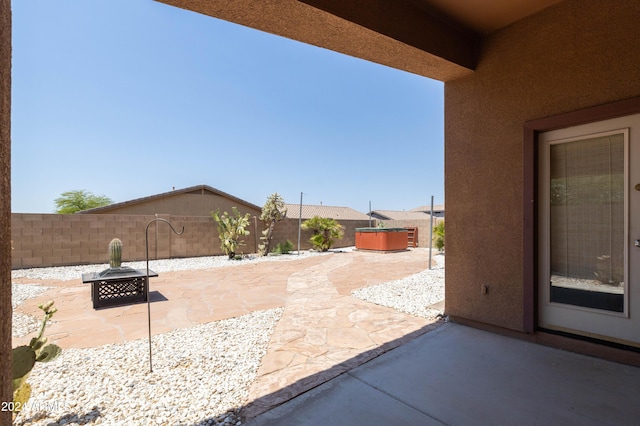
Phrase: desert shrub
pixel 273 211
pixel 438 235
pixel 325 232
pixel 230 229
pixel 283 248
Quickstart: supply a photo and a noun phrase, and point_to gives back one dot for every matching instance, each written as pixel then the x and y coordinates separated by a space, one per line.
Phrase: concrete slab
pixel 458 375
pixel 344 401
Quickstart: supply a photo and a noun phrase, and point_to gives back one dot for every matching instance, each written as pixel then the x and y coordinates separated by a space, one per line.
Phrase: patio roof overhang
pixel 439 39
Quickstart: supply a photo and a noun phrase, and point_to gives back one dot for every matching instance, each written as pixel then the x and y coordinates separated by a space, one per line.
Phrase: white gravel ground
pixel 412 294
pixel 201 374
pixel 67 273
pixel 24 324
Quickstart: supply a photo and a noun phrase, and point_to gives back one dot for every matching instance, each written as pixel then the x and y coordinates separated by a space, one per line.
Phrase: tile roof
pixel 436 208
pixel 333 212
pixel 401 215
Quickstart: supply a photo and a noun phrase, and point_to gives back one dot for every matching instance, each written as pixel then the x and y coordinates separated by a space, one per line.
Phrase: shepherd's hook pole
pixel 430 231
pixel 299 224
pixel 146 237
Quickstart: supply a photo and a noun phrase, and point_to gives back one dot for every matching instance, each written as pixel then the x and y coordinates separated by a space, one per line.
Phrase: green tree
pixel 230 229
pixel 273 211
pixel 438 235
pixel 325 231
pixel 79 199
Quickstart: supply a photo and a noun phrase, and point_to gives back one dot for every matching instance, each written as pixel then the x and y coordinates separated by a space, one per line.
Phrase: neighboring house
pixel 331 212
pixel 419 224
pixel 438 210
pixel 349 218
pixel 398 215
pixel 197 200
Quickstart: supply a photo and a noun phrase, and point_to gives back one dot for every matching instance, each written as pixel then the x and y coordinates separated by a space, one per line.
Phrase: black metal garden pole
pixel 146 236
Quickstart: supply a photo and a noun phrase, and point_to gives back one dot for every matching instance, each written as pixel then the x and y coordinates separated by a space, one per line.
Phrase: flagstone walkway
pixel 323 331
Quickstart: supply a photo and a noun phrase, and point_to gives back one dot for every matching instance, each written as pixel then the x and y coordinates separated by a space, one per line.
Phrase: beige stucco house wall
pixel 6 388
pixel 573 55
pixel 197 200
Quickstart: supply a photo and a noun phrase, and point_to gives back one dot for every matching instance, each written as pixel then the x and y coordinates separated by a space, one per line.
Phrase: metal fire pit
pixel 118 286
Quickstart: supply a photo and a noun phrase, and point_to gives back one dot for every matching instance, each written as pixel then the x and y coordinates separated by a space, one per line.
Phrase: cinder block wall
pixel 52 239
pixel 41 240
pixel 287 229
pixel 422 225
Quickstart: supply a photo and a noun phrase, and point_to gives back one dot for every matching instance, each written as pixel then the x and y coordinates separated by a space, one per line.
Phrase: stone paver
pixel 323 331
pixel 191 298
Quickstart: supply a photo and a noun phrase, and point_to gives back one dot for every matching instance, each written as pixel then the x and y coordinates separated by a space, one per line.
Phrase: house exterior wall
pixel 186 204
pixel 570 56
pixel 6 388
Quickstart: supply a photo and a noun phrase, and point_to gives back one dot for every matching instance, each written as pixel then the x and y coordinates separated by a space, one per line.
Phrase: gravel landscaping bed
pixel 411 295
pixel 22 324
pixel 201 374
pixel 67 273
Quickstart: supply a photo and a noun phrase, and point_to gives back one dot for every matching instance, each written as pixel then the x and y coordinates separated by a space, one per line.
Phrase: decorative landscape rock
pixel 201 374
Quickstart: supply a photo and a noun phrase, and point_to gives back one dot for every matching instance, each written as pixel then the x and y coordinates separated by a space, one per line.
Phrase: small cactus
pixel 115 253
pixel 25 357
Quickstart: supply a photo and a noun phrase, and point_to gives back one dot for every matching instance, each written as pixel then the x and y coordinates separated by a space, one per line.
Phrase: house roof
pixel 436 208
pixel 332 212
pixel 200 189
pixel 400 215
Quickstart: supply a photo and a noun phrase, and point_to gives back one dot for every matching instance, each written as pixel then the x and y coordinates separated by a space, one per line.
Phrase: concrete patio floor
pixel 456 375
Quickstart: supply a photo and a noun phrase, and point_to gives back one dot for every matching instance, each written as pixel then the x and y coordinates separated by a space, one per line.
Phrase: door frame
pixel 530 190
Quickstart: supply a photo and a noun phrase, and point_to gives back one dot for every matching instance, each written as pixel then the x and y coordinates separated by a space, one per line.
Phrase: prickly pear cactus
pixel 115 253
pixel 25 357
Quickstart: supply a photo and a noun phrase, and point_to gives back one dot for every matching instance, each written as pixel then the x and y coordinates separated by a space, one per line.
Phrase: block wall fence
pixel 422 225
pixel 41 240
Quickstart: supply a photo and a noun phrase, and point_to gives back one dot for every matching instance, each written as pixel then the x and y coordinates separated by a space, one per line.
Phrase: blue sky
pixel 130 98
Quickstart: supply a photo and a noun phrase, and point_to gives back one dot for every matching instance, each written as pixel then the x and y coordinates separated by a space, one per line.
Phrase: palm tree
pixel 325 231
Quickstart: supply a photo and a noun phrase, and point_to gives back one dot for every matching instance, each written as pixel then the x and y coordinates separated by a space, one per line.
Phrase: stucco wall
pixel 574 55
pixel 6 390
pixel 187 204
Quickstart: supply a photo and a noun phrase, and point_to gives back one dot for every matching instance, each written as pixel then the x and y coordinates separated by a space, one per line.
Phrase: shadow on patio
pixel 456 375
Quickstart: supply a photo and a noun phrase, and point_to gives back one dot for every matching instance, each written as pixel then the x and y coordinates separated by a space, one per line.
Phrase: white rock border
pixel 412 295
pixel 201 375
